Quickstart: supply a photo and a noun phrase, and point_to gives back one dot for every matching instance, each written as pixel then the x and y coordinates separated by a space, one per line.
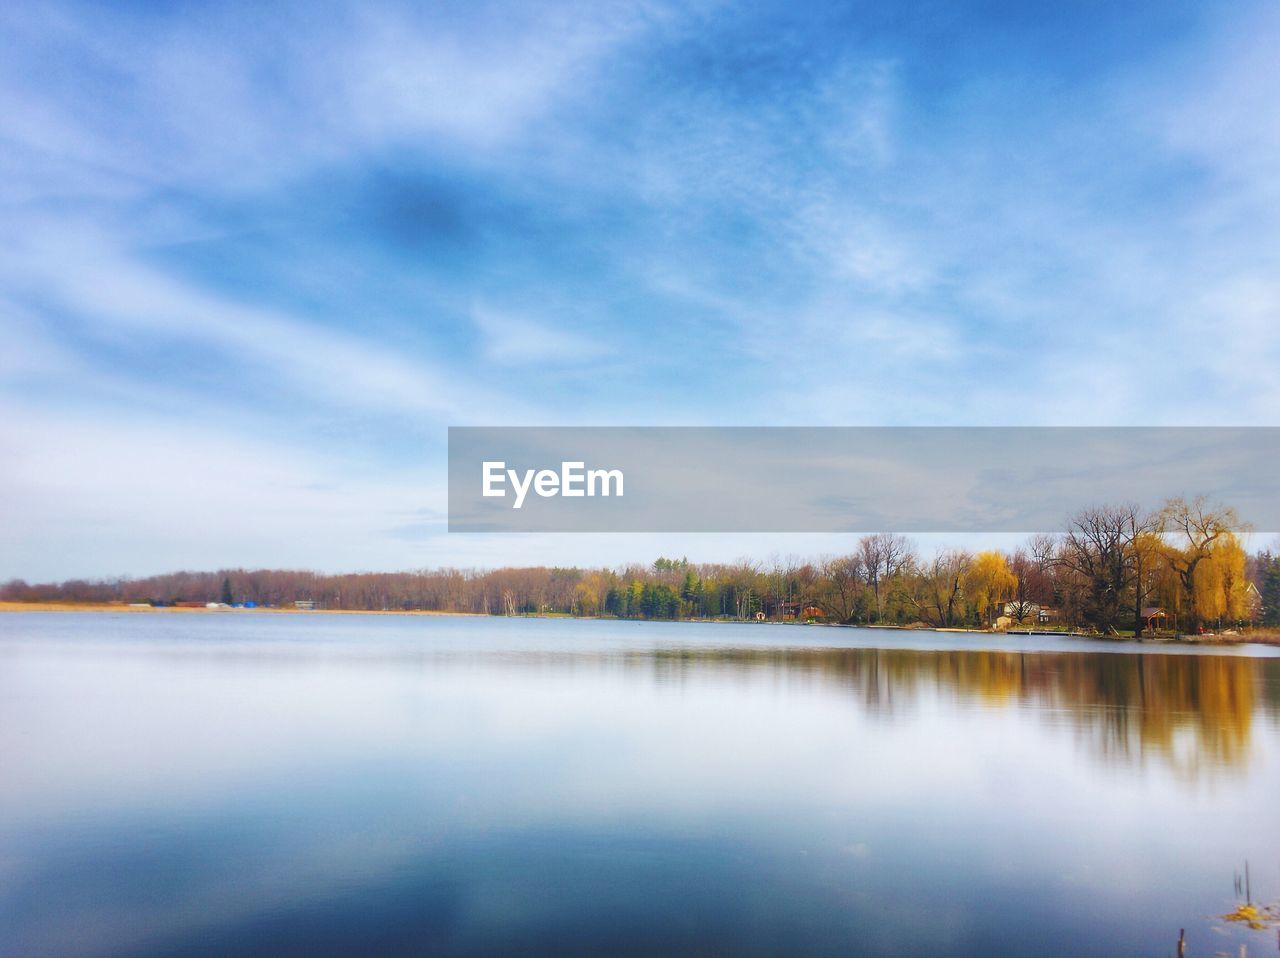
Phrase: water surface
pixel 256 784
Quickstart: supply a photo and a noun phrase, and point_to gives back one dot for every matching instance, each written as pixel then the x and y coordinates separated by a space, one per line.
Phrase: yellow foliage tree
pixel 590 592
pixel 1220 581
pixel 988 583
pixel 1195 531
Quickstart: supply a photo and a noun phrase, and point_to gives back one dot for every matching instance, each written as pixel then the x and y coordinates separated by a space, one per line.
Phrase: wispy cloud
pixel 340 234
pixel 79 274
pixel 515 340
pixel 118 495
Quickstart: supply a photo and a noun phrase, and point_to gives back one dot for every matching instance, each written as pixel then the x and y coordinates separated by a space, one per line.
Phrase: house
pixel 794 610
pixel 1152 615
pixel 1252 602
pixel 1023 611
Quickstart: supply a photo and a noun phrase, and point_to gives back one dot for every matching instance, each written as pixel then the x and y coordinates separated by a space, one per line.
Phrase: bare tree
pixel 844 578
pixel 884 556
pixel 1099 548
pixel 939 593
pixel 1032 592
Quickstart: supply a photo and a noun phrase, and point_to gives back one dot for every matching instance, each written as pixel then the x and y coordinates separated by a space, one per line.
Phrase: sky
pixel 256 258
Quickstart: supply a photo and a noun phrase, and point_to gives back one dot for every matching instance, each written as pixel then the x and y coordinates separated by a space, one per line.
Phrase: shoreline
pixel 47 607
pixel 6 606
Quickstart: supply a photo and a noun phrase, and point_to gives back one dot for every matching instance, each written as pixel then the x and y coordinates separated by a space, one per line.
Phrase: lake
pixel 311 784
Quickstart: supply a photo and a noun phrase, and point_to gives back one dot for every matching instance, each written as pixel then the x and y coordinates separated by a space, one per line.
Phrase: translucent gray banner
pixel 857 479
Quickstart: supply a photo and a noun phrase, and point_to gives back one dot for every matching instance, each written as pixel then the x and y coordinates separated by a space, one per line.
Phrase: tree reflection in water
pixel 1193 712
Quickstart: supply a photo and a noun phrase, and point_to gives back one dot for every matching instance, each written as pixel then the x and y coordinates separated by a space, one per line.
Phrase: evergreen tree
pixel 1270 576
pixel 691 593
pixel 613 602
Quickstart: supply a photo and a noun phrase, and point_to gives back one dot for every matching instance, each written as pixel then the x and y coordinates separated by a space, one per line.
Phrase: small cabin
pixel 1153 616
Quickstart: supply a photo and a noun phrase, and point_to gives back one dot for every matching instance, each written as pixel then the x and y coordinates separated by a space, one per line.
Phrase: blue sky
pixel 256 258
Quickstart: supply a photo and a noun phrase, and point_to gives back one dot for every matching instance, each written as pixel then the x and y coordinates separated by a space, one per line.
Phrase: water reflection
pixel 493 789
pixel 1194 712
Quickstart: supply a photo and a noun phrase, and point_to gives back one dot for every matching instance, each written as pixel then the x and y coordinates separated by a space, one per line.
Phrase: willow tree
pixel 1221 586
pixel 1147 551
pixel 1192 530
pixel 988 582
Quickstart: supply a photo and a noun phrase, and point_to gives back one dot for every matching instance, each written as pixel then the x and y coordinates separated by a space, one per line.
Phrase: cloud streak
pixel 339 235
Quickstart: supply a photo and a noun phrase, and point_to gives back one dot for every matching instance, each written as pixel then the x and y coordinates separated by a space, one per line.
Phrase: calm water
pixel 341 785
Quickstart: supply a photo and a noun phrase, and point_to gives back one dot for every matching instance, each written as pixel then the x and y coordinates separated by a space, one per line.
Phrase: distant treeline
pixel 1115 568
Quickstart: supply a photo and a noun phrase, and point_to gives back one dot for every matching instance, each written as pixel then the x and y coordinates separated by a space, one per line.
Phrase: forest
pixel 1116 569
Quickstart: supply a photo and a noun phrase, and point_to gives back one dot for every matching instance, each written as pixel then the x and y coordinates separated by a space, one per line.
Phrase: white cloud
pixel 479 87
pixel 1223 106
pixel 200 100
pixel 832 254
pixel 85 274
pixel 126 494
pixel 514 340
